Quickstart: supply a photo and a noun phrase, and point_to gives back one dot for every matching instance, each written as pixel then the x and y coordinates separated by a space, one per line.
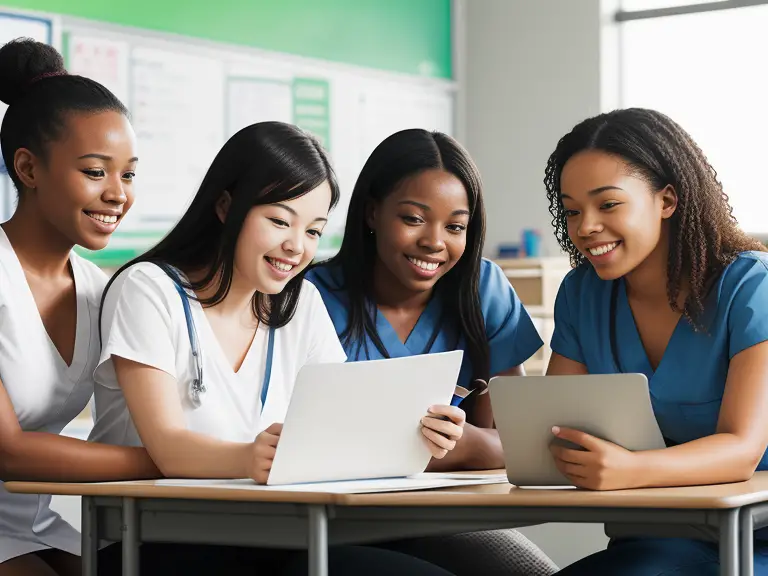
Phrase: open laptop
pixel 361 420
pixel 615 407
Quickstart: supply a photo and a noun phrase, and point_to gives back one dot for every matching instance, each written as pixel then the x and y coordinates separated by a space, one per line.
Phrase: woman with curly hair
pixel 664 284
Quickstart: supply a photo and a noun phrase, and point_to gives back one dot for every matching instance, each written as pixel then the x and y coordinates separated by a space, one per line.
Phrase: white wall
pixel 529 70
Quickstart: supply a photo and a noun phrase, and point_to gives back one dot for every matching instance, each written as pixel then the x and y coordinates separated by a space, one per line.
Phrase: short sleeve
pixel 565 339
pixel 512 337
pixel 136 323
pixel 748 313
pixel 325 346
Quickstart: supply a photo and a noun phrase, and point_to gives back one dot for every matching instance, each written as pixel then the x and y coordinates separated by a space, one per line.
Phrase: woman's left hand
pixel 602 465
pixel 442 434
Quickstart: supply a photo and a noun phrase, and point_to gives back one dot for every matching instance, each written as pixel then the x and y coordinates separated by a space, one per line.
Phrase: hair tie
pixel 47 75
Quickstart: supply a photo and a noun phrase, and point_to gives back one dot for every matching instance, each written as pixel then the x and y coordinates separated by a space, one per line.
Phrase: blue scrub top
pixel 512 338
pixel 687 387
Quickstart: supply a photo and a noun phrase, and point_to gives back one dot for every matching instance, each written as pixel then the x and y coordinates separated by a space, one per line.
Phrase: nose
pixel 432 238
pixel 294 243
pixel 589 223
pixel 115 192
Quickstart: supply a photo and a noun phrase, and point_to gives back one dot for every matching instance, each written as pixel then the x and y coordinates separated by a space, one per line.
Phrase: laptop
pixel 362 420
pixel 615 407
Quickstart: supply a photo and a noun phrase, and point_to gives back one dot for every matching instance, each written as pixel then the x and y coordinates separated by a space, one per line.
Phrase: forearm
pixel 716 459
pixel 186 454
pixel 45 457
pixel 477 449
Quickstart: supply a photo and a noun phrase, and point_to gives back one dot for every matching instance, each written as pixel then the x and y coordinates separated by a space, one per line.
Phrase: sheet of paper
pixel 425 481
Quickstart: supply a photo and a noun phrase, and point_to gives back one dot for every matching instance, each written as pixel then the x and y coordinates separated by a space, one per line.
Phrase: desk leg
pixel 318 541
pixel 130 530
pixel 747 537
pixel 89 535
pixel 729 542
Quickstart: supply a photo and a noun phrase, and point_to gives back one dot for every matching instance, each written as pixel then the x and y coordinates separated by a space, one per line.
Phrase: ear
pixel 222 206
pixel 371 212
pixel 668 202
pixel 26 165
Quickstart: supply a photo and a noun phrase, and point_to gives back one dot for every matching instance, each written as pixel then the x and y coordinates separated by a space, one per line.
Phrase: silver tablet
pixel 615 407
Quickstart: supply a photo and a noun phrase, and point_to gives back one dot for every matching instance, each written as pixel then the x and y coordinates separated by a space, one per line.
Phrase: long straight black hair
pixel 263 163
pixel 403 155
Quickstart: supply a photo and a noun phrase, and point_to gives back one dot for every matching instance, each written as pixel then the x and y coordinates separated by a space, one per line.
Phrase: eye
pixel 94 173
pixel 129 176
pixel 609 205
pixel 457 228
pixel 412 220
pixel 315 233
pixel 571 213
pixel 279 222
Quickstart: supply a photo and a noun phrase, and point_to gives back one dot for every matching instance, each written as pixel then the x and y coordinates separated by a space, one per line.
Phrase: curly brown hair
pixel 704 236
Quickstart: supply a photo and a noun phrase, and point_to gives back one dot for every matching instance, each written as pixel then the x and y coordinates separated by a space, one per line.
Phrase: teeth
pixel 428 266
pixel 102 218
pixel 280 265
pixel 604 249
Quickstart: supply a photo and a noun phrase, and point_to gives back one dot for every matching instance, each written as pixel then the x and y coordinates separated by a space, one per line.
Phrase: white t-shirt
pixel 143 320
pixel 46 393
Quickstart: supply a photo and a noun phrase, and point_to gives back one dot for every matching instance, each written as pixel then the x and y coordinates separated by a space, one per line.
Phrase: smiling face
pixel 84 184
pixel 277 241
pixel 420 229
pixel 615 219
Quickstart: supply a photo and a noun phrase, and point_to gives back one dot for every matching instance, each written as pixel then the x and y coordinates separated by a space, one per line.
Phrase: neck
pixel 236 302
pixel 40 248
pixel 388 292
pixel 648 282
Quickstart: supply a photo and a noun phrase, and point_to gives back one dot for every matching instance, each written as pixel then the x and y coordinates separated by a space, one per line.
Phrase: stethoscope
pixel 197 388
pixel 612 325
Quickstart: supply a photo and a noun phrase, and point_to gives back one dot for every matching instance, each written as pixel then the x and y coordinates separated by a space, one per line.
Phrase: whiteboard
pixel 187 96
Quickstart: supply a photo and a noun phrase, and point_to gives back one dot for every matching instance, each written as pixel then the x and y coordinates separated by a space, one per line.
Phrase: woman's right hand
pixel 264 448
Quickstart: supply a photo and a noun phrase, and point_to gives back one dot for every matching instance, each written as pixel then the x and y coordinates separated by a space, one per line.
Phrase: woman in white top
pixel 236 259
pixel 70 151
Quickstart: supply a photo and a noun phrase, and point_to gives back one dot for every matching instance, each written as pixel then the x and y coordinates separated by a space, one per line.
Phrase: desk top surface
pixel 695 497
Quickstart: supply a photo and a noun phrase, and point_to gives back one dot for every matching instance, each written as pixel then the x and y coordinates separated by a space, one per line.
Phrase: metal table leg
pixel 747 536
pixel 729 542
pixel 318 541
pixel 130 530
pixel 89 535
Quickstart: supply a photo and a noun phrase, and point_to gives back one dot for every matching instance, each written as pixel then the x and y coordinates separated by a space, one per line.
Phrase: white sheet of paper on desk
pixel 426 481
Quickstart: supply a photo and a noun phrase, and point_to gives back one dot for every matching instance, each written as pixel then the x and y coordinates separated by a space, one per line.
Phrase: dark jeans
pixel 200 560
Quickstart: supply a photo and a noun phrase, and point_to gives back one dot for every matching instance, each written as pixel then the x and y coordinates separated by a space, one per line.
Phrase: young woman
pixel 71 153
pixel 410 279
pixel 665 284
pixel 227 284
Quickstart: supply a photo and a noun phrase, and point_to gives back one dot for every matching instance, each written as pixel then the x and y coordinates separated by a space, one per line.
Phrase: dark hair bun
pixel 22 61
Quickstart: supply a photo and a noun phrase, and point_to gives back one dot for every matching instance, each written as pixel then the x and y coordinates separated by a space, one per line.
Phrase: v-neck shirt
pixel 46 393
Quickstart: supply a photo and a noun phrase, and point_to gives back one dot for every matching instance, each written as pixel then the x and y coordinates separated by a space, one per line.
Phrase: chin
pixel 93 244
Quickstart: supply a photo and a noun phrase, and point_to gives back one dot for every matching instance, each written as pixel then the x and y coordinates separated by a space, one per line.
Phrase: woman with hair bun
pixel 70 152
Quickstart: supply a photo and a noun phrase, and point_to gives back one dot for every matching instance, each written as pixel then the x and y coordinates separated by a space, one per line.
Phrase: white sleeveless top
pixel 46 393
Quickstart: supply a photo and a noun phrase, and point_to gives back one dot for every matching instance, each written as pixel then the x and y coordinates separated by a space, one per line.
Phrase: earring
pixel 371 231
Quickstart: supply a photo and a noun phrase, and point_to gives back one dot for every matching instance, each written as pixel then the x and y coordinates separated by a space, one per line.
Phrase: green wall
pixel 410 36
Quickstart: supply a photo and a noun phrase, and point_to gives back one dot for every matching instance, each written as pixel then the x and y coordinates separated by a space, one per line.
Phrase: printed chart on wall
pixel 14 26
pixel 176 102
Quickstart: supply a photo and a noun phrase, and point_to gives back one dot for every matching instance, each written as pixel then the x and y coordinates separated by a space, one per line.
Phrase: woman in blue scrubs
pixel 410 279
pixel 665 284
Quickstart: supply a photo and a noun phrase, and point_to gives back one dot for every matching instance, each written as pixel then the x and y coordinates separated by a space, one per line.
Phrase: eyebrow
pixel 292 211
pixel 460 212
pixel 596 191
pixel 104 157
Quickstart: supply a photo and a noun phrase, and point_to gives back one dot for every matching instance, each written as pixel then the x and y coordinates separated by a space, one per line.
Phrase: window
pixel 706 71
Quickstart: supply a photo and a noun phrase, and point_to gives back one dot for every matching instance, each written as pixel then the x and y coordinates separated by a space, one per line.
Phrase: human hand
pixel 601 465
pixel 442 427
pixel 263 453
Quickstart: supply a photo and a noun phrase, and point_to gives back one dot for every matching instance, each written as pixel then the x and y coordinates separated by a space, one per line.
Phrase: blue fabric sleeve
pixel 748 313
pixel 565 338
pixel 512 337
